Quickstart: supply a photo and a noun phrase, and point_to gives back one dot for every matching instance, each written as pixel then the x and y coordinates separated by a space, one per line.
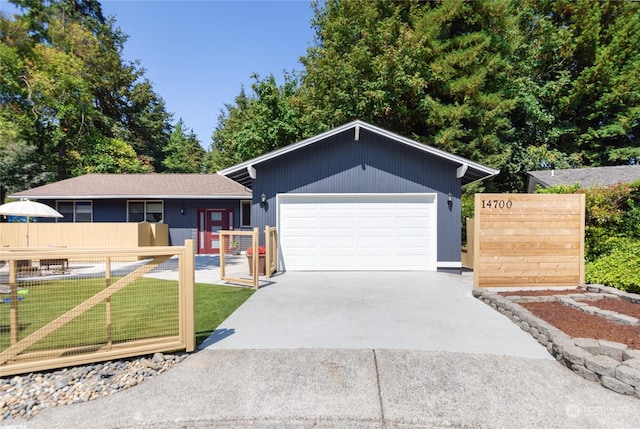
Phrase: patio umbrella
pixel 28 208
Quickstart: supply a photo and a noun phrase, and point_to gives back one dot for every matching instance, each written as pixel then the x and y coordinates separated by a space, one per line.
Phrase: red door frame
pixel 209 222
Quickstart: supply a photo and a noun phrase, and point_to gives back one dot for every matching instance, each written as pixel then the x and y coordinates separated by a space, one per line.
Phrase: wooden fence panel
pixel 91 235
pixel 529 240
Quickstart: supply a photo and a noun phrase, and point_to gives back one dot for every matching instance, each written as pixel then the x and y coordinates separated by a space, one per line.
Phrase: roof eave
pixel 240 174
pixel 110 197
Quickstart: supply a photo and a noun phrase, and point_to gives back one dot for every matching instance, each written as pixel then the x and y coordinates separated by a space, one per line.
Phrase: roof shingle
pixel 102 186
pixel 586 177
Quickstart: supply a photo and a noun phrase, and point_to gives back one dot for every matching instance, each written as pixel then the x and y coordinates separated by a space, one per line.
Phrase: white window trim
pixel 145 209
pixel 74 209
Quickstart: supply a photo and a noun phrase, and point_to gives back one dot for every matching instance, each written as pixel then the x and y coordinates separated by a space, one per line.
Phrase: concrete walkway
pixel 358 350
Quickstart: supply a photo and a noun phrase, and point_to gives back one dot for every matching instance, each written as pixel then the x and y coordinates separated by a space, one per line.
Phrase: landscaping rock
pixel 589 344
pixel 612 349
pixel 616 385
pixel 585 373
pixel 633 363
pixel 628 375
pixel 560 343
pixel 542 339
pixel 630 354
pixel 602 365
pixel 24 395
pixel 575 354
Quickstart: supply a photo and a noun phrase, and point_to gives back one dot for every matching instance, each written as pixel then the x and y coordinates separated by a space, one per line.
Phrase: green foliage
pixel 619 267
pixel 183 153
pixel 74 105
pixel 435 71
pixel 579 81
pixel 610 212
pixel 268 119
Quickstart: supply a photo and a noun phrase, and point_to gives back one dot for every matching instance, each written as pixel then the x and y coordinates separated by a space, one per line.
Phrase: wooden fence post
pixel 13 282
pixel 222 249
pixel 188 285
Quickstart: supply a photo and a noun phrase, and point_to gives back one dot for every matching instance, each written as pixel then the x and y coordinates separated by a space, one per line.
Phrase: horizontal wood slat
pixel 528 240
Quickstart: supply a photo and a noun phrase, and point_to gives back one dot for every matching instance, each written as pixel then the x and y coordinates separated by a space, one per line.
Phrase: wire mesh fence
pixel 64 306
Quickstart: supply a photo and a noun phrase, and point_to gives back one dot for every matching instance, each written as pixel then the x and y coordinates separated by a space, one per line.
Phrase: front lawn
pixel 144 309
pixel 214 303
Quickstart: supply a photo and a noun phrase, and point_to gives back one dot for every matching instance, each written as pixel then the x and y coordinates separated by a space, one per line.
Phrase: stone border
pixel 613 365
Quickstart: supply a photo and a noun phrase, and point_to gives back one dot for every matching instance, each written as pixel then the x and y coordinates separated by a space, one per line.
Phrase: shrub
pixel 610 212
pixel 619 268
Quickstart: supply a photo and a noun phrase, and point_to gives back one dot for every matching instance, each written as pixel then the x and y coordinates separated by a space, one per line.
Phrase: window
pixel 75 211
pixel 245 213
pixel 150 211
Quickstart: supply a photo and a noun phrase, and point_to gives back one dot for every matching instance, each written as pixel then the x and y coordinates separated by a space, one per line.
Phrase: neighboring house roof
pixel 468 171
pixel 586 177
pixel 165 186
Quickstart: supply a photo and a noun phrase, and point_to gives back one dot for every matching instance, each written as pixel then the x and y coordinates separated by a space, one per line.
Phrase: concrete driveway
pixel 372 310
pixel 360 350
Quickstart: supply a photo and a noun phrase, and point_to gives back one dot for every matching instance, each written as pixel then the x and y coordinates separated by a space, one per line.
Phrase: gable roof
pixel 469 171
pixel 167 186
pixel 587 177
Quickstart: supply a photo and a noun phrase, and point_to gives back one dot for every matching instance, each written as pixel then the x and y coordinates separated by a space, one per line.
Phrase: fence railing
pixel 265 264
pixel 65 306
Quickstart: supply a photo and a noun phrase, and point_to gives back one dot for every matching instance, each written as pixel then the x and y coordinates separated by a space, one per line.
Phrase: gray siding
pixel 181 226
pixel 374 164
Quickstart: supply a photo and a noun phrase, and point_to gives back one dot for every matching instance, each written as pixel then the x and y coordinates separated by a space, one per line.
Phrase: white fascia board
pixel 287 149
pixel 131 197
pixel 360 125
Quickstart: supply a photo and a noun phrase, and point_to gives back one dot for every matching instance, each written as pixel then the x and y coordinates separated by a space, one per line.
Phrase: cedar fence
pixel 532 240
pixel 76 235
pixel 65 306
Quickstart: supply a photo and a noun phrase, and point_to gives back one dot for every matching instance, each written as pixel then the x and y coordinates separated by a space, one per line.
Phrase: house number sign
pixel 497 204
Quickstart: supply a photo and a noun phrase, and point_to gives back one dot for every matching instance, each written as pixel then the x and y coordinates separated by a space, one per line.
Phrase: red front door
pixel 210 221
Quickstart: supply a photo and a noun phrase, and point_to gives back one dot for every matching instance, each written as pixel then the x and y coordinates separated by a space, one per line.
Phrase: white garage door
pixel 357 232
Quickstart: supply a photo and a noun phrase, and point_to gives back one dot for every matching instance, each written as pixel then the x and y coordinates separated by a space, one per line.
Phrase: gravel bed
pixel 23 396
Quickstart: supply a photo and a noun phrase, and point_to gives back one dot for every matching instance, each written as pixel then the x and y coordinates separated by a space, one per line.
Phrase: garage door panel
pixel 357 232
pixel 340 242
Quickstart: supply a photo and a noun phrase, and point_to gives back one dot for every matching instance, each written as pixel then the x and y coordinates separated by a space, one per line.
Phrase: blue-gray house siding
pixel 180 214
pixel 372 164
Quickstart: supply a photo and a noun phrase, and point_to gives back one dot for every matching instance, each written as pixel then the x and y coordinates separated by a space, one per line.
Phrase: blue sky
pixel 197 54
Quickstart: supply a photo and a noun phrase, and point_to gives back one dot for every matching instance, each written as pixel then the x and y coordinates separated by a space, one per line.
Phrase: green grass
pixel 214 303
pixel 144 309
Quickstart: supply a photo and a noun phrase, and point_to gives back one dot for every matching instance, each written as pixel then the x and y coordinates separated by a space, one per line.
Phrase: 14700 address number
pixel 497 204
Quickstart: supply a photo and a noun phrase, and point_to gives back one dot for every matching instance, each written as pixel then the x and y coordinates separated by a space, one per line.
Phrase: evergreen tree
pixel 582 73
pixel 437 71
pixel 183 153
pixel 270 118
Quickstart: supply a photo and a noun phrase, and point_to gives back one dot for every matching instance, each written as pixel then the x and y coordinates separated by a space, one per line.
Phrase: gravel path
pixel 23 396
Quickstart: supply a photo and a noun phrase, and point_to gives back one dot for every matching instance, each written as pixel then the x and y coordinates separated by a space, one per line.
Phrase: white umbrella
pixel 28 208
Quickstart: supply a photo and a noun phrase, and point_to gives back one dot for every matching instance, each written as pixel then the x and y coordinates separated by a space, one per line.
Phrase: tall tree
pixel 582 66
pixel 183 152
pixel 271 117
pixel 71 95
pixel 437 71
